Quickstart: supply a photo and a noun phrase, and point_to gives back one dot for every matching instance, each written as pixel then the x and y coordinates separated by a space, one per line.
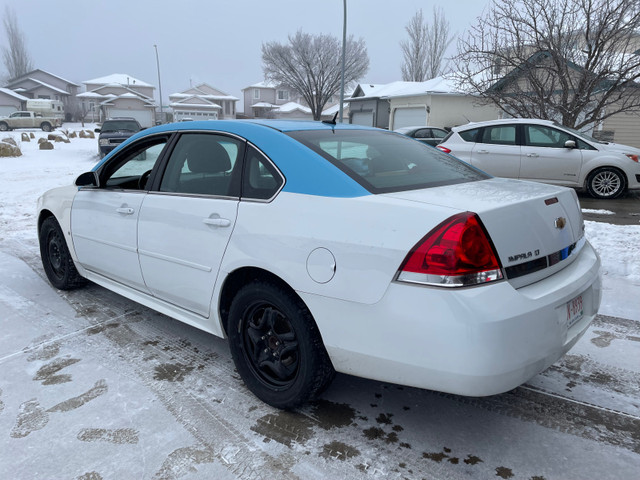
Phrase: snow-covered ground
pixel 94 387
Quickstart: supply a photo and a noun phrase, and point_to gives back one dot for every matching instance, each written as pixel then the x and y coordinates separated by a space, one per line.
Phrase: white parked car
pixel 545 151
pixel 318 248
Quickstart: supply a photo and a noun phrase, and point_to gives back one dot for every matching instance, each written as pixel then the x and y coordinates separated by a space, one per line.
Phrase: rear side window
pixel 261 179
pixel 499 135
pixel 469 135
pixel 385 162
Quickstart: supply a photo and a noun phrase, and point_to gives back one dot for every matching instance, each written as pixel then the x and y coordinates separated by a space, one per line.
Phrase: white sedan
pixel 318 248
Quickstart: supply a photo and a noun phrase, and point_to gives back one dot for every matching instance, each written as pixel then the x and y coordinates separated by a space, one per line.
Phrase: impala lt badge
pixel 560 223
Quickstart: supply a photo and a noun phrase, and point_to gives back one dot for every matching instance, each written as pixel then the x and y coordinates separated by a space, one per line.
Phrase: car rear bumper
pixel 475 341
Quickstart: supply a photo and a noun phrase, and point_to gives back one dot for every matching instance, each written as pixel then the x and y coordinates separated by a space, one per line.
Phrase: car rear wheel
pixel 46 127
pixel 276 346
pixel 606 182
pixel 56 259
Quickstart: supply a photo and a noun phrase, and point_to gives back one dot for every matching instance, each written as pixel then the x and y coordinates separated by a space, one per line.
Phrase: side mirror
pixel 570 144
pixel 97 130
pixel 88 179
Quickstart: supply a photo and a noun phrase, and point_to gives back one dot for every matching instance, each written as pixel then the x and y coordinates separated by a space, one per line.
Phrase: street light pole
pixel 344 44
pixel 159 84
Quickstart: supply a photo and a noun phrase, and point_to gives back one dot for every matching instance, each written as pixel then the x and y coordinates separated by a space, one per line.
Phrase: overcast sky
pixel 213 41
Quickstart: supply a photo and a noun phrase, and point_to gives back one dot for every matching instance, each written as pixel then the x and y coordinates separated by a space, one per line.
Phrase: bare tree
pixel 573 61
pixel 424 50
pixel 311 65
pixel 16 58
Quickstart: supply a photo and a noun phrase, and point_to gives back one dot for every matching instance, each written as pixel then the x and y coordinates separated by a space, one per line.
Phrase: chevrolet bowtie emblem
pixel 560 223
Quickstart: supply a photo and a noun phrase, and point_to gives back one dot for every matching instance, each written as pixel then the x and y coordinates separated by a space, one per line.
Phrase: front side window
pixel 541 136
pixel 499 135
pixel 204 164
pixel 384 162
pixel 130 170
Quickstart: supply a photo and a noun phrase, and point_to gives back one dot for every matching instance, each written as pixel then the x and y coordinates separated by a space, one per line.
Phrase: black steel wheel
pixel 45 126
pixel 56 259
pixel 276 346
pixel 606 182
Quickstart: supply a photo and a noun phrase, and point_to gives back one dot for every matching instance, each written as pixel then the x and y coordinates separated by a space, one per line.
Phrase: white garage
pixel 362 118
pixel 409 117
pixel 144 117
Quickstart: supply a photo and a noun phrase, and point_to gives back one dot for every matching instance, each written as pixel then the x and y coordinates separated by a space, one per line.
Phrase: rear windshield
pixel 120 126
pixel 384 162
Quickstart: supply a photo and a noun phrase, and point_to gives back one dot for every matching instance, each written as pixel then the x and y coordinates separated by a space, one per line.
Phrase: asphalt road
pixel 626 209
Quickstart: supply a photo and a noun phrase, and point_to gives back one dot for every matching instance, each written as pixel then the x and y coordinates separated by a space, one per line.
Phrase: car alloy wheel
pixel 605 183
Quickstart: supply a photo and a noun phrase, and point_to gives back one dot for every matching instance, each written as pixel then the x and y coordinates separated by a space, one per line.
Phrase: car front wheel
pixel 276 346
pixel 46 127
pixel 56 259
pixel 3 127
pixel 605 183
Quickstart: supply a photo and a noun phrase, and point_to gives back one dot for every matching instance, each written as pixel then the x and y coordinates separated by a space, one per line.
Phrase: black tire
pixel 606 182
pixel 56 259
pixel 45 126
pixel 276 346
pixel 4 127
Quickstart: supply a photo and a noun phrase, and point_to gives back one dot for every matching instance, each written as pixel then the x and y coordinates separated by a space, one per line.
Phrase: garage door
pixel 409 117
pixel 362 118
pixel 6 110
pixel 142 116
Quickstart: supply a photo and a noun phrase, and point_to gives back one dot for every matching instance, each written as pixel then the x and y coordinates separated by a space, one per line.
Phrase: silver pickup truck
pixel 28 120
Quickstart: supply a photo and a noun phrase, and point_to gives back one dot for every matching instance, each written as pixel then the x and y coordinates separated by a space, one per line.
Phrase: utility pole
pixel 344 45
pixel 159 84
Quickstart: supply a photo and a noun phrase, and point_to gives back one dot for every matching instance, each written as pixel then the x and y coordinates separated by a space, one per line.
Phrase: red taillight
pixel 456 253
pixel 632 157
pixel 444 149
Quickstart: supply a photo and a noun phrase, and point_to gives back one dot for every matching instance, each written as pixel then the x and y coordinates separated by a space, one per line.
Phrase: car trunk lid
pixel 535 228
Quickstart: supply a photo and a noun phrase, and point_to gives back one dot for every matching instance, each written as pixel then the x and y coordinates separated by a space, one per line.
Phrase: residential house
pixel 118 95
pixel 435 102
pixel 41 84
pixel 203 102
pixel 11 101
pixel 623 127
pixel 270 100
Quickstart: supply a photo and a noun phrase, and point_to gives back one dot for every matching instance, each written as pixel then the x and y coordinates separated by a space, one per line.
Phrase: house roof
pixel 441 85
pixel 263 84
pixel 29 74
pixel 40 83
pixel 205 91
pixel 13 94
pixel 292 107
pixel 119 78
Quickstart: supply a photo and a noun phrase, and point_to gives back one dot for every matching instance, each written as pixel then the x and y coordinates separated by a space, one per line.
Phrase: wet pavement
pixel 626 209
pixel 93 386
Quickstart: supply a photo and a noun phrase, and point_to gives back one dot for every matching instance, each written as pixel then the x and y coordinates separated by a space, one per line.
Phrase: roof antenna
pixel 332 121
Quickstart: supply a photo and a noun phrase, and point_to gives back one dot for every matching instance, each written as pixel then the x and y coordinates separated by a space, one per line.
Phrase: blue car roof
pixel 305 171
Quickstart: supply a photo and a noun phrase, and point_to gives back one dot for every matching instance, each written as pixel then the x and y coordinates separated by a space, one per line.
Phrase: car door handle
pixel 125 210
pixel 217 222
pixel 533 155
pixel 482 151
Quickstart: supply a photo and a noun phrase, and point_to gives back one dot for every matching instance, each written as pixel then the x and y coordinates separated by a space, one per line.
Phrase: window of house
pixel 256 93
pixel 283 94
